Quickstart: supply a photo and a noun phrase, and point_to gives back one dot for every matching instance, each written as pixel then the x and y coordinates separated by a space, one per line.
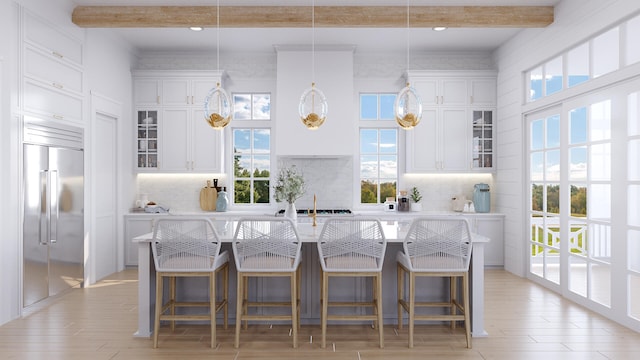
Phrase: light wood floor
pixel 524 321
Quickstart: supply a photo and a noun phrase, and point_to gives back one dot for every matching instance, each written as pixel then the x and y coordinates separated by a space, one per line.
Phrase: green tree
pixel 578 201
pixel 368 192
pixel 387 189
pixel 536 197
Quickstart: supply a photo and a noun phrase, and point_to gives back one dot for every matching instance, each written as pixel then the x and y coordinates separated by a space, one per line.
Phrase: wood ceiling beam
pixel 325 16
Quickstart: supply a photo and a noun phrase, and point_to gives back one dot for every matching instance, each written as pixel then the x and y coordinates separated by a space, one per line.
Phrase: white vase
pixel 416 207
pixel 290 212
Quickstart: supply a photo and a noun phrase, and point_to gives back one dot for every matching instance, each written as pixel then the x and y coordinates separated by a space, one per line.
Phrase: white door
pixel 105 175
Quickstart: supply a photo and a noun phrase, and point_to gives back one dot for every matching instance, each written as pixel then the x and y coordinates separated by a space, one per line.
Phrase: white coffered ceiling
pixel 365 39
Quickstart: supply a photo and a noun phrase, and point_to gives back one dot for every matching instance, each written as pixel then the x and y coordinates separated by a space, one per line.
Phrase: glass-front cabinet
pixel 483 134
pixel 147 139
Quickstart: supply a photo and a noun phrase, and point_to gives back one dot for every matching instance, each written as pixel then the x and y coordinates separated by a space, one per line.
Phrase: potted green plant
pixel 416 196
pixel 289 187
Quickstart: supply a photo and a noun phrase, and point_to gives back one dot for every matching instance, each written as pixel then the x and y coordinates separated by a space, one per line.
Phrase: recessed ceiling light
pixel 439 28
pixel 196 28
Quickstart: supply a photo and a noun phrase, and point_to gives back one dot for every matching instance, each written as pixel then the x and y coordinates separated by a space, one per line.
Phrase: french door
pixel 584 200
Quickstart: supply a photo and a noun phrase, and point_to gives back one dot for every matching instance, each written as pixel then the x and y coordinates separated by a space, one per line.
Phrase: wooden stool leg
pixel 400 282
pixel 212 307
pixel 294 307
pixel 225 292
pixel 378 280
pixel 299 281
pixel 172 299
pixel 245 299
pixel 239 306
pixel 412 306
pixel 156 324
pixel 467 321
pixel 324 299
pixel 453 295
pixel 374 299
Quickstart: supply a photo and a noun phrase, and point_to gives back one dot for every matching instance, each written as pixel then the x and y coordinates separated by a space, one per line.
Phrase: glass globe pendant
pixel 313 107
pixel 408 108
pixel 217 108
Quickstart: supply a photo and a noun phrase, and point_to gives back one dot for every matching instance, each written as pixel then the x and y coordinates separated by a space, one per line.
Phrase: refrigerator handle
pixel 53 206
pixel 43 205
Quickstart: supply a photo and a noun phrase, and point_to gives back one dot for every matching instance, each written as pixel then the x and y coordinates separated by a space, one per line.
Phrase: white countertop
pixel 394 231
pixel 383 215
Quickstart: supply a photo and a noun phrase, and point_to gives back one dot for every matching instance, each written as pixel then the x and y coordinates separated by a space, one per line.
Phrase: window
pixel 544 178
pixel 251 166
pixel 255 106
pixel 378 148
pixel 631 41
pixel 598 56
pixel 251 148
pixel 578 65
pixel 606 52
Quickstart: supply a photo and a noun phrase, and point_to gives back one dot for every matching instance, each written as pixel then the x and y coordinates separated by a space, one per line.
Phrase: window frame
pixel 378 124
pixel 251 125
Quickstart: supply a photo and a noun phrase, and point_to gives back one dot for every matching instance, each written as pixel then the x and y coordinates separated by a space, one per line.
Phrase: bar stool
pixel 188 247
pixel 352 247
pixel 267 247
pixel 436 247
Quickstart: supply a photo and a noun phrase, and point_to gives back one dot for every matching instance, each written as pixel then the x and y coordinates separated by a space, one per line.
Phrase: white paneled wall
pixel 575 21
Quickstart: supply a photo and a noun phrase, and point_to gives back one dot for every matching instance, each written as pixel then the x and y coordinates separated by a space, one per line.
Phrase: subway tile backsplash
pixel 332 179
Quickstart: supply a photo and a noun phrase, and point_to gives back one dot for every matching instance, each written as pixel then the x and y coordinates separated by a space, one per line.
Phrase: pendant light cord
pixel 218 34
pixel 313 41
pixel 408 35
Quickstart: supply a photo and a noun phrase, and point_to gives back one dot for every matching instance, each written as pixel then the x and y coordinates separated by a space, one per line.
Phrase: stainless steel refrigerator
pixel 53 227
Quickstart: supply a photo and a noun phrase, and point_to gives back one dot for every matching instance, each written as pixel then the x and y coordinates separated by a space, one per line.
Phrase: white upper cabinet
pixel 173 135
pixel 53 41
pixel 436 92
pixel 439 142
pixel 456 133
pixel 146 92
pixel 175 92
pixel 482 92
pixel 186 92
pixel 60 75
pixel 174 132
pixel 179 90
pixel 52 75
pixel 188 143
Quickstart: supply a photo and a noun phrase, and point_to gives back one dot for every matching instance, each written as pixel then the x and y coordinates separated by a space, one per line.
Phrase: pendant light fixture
pixel 217 103
pixel 408 105
pixel 313 104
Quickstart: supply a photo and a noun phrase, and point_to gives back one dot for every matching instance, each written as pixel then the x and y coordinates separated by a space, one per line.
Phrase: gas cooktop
pixel 319 212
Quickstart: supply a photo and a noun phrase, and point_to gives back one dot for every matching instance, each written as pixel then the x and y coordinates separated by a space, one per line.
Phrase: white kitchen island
pixel 394 231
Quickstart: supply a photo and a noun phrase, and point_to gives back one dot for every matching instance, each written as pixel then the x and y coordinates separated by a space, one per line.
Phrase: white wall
pixel 8 255
pixel 575 21
pixel 108 75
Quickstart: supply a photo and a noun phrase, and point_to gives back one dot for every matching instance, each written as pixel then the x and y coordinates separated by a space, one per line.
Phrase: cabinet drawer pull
pixel 55 53
pixel 57 86
pixel 158 99
pixel 471 99
pixel 59 117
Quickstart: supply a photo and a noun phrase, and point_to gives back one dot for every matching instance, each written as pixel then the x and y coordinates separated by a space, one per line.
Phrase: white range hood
pixel 334 77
